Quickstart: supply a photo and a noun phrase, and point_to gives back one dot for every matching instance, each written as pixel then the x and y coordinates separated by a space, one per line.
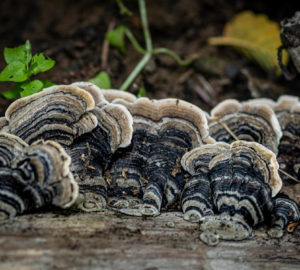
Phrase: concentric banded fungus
pixel 285 214
pixel 58 113
pixel 92 152
pixel 243 181
pixel 33 176
pixel 248 121
pixel 116 96
pixel 196 195
pixel 163 131
pixel 287 110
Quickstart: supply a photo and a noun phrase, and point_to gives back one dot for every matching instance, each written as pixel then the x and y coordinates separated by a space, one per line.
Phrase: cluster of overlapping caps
pixel 79 147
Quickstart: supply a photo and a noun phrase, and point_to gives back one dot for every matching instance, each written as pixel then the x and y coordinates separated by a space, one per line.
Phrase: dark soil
pixel 73 33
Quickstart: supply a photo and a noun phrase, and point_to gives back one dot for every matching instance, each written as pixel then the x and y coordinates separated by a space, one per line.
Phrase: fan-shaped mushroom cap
pixel 117 119
pixel 248 121
pixel 59 113
pixel 116 96
pixel 254 155
pixel 33 176
pixel 162 114
pixel 198 159
pixel 94 90
pixel 287 110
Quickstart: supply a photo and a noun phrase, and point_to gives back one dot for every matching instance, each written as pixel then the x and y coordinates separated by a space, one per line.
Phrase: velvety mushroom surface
pixel 32 176
pixel 248 121
pixel 150 168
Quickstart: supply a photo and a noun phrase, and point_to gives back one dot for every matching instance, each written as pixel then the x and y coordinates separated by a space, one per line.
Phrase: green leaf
pixel 102 80
pixel 47 83
pixel 142 91
pixel 12 93
pixel 116 38
pixel 40 63
pixel 256 37
pixel 31 87
pixel 14 54
pixel 14 72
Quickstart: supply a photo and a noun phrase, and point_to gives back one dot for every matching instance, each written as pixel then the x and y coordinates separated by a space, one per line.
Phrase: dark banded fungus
pixel 92 152
pixel 150 168
pixel 285 215
pixel 33 176
pixel 243 180
pixel 58 113
pixel 287 110
pixel 249 121
pixel 88 127
pixel 196 195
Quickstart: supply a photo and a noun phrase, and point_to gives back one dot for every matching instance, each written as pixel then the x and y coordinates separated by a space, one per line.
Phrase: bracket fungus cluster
pixel 32 176
pixel 236 186
pixel 150 168
pixel 80 120
pixel 80 147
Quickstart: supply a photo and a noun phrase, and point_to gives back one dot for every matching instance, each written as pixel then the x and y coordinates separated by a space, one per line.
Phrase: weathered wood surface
pixel 111 241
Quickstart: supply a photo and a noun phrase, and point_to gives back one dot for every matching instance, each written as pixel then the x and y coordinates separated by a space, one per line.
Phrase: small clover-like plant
pixel 21 66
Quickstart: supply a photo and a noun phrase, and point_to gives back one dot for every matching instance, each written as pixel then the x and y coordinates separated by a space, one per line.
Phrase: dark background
pixel 73 33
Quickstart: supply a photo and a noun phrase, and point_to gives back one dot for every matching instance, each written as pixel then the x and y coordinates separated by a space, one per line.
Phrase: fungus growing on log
pixel 287 110
pixel 150 167
pixel 196 195
pixel 243 180
pixel 248 121
pixel 88 127
pixel 32 176
pixel 58 113
pixel 92 152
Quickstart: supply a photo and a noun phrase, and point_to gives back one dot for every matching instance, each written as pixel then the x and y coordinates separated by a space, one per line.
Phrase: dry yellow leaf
pixel 256 37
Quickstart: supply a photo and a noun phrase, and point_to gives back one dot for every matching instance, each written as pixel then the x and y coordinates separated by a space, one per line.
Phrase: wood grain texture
pixel 68 240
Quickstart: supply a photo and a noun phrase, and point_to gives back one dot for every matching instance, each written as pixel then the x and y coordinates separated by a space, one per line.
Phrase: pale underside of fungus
pixel 32 176
pixel 249 121
pixel 150 168
pixel 243 178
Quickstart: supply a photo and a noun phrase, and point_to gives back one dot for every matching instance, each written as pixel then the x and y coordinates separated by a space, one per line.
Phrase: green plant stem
pixel 147 35
pixel 134 42
pixel 137 70
pixel 174 55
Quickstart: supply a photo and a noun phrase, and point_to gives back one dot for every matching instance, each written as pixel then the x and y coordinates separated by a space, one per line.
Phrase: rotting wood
pixel 106 240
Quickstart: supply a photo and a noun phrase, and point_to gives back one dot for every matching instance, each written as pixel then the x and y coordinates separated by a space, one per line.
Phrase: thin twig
pixel 105 46
pixel 227 128
pixel 288 175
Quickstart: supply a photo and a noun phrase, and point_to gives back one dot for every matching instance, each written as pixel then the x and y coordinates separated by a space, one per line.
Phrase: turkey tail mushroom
pixel 58 113
pixel 243 179
pixel 163 131
pixel 33 176
pixel 92 152
pixel 249 121
pixel 196 195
